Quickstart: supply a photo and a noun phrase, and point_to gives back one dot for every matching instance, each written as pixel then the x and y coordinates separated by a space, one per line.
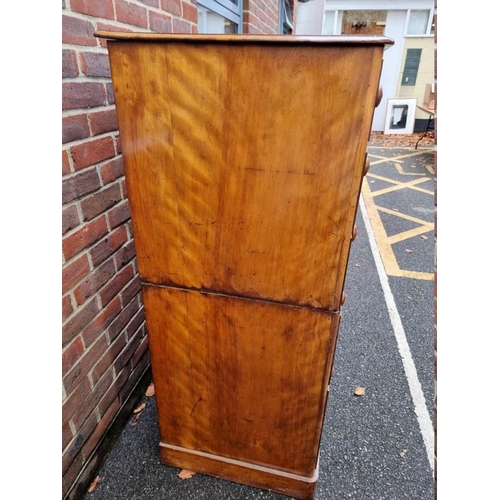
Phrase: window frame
pixel 227 9
pixel 283 17
pixel 430 20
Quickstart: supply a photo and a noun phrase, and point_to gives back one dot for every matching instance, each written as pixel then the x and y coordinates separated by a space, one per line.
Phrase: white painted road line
pixel 423 417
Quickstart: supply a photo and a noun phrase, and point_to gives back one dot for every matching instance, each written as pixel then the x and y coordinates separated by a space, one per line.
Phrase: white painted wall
pixel 379 4
pixel 395 29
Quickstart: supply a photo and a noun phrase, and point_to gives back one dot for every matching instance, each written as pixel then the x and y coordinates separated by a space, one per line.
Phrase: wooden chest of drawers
pixel 244 157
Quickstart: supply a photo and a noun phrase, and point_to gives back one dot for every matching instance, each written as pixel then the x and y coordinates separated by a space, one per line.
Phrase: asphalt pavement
pixel 377 446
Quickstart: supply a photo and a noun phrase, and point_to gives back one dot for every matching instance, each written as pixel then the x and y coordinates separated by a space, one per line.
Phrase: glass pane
pixel 230 27
pixel 328 23
pixel 417 25
pixel 210 22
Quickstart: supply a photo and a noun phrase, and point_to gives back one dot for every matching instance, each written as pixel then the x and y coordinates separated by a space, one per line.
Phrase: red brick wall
pixel 105 346
pixel 260 16
pixel 105 349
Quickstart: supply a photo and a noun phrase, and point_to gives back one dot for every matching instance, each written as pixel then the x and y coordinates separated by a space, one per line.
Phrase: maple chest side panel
pixel 240 378
pixel 245 164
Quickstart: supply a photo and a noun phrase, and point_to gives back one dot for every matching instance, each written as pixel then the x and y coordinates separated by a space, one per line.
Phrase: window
pixel 412 63
pixel 285 23
pixel 219 16
pixel 366 22
pixel 420 23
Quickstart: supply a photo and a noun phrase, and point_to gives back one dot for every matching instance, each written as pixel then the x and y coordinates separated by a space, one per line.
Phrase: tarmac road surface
pixel 378 446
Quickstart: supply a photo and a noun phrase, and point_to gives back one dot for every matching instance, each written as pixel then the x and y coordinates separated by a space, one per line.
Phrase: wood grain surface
pixel 244 166
pixel 240 378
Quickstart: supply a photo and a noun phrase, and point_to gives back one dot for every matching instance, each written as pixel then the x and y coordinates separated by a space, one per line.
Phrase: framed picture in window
pixel 400 116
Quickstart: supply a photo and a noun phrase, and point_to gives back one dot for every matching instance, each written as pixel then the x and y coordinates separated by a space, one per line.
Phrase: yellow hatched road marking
pixel 404 216
pixel 383 159
pixel 429 168
pixel 384 242
pixel 396 238
pixel 402 185
pixel 399 168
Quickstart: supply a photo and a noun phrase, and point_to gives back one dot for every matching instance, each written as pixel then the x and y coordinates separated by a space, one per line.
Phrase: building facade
pixel 409 65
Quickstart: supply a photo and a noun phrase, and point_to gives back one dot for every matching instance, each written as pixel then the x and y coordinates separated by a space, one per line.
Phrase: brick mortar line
pixel 98 164
pixel 75 308
pixel 104 333
pixel 75 312
pixel 272 21
pixel 70 161
pixel 97 49
pixel 81 197
pixel 87 111
pixel 119 178
pixel 92 267
pixel 72 261
pixel 141 308
pixel 82 170
pixel 94 19
pixel 74 230
pixel 85 79
pixel 74 429
pixel 74 258
pixel 108 343
pixel 123 406
pixel 79 142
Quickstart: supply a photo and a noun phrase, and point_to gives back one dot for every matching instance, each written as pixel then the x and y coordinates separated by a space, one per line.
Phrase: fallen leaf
pixel 140 408
pixel 402 140
pixel 403 453
pixel 424 237
pixel 93 485
pixel 151 390
pixel 186 474
pixel 409 251
pixel 359 391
